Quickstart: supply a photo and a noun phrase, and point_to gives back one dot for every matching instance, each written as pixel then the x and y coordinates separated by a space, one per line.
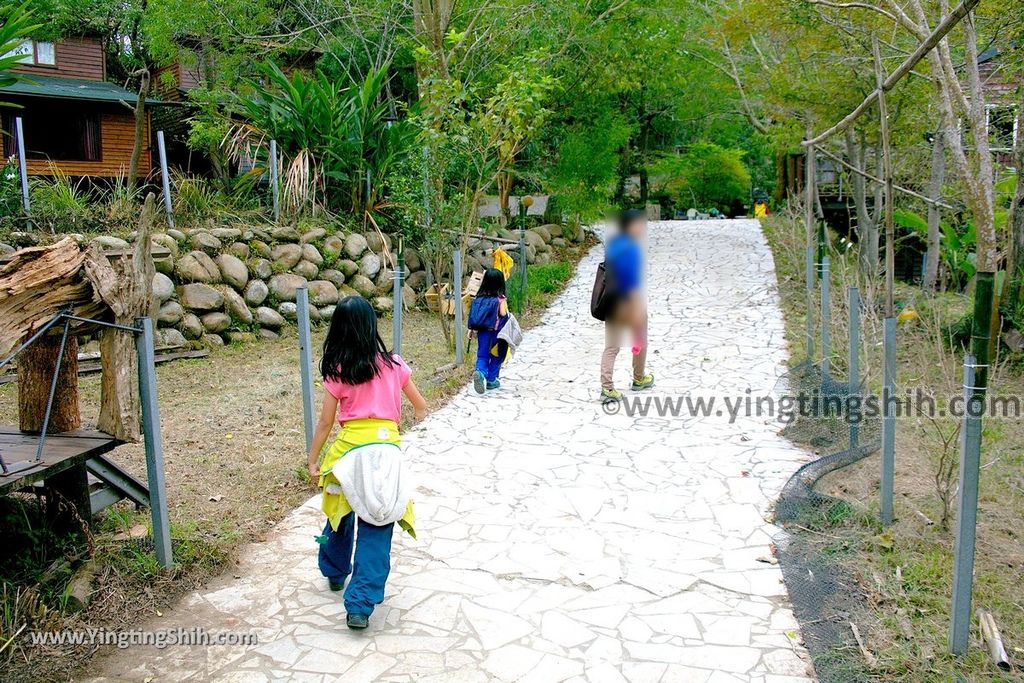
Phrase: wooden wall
pixel 76 58
pixel 117 138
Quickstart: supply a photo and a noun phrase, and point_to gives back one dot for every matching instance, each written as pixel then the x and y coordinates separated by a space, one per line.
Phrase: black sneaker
pixel 357 622
pixel 336 586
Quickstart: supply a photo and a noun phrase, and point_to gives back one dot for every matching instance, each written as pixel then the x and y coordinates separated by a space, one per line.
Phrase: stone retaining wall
pixel 234 283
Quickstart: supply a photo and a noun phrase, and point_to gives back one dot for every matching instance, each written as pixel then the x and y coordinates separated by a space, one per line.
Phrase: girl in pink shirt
pixel 363 387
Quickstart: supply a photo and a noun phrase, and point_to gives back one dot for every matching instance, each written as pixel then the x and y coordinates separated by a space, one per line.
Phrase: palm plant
pixel 335 141
pixel 17 23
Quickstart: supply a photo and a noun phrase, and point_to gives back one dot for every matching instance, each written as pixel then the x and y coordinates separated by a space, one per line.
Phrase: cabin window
pixel 1002 127
pixel 42 52
pixel 46 53
pixel 25 50
pixel 57 131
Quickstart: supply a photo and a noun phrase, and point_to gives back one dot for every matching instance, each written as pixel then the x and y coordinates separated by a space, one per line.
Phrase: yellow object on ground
pixel 358 433
pixel 907 314
pixel 503 262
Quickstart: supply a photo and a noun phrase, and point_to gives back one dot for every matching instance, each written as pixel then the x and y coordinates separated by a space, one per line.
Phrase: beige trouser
pixel 615 332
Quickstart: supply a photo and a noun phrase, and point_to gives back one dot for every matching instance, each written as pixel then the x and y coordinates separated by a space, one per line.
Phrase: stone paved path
pixel 557 542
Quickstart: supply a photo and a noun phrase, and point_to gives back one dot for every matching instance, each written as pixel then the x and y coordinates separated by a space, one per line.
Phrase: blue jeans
pixel 487 363
pixel 372 561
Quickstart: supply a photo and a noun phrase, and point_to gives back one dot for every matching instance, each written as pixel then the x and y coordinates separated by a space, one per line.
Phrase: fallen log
pixel 38 283
pixel 78 592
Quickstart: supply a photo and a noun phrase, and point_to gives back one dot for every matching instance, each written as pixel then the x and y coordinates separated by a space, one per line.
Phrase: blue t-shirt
pixel 624 263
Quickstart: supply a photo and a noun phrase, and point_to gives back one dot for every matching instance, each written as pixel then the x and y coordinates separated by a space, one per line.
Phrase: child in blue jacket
pixel 486 316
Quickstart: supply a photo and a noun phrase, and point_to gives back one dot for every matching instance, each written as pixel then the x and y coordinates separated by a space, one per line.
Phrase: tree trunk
pixel 127 287
pixel 931 263
pixel 867 228
pixel 625 165
pixel 35 375
pixel 504 192
pixel 1016 220
pixel 781 178
pixel 140 129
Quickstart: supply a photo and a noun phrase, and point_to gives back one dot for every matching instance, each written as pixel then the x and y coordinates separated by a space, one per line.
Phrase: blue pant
pixel 372 561
pixel 487 363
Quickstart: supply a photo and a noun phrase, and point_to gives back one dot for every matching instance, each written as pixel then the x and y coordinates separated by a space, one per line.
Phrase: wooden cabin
pixel 1000 82
pixel 74 120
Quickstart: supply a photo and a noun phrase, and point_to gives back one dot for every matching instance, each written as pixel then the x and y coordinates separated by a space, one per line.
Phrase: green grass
pixel 904 573
pixel 543 284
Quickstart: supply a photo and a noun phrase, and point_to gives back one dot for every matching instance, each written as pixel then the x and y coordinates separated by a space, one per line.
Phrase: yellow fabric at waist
pixel 358 433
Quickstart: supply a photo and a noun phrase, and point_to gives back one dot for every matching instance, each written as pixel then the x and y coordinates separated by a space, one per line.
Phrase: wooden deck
pixel 61 452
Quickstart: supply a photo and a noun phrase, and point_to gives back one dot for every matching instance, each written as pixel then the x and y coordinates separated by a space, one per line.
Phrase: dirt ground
pixel 232 426
pixel 235 464
pixel 905 572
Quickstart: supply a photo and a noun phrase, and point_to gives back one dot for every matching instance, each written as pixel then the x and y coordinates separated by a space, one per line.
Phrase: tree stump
pixel 35 375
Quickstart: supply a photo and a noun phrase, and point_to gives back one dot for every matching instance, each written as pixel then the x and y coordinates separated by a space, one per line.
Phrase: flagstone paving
pixel 557 542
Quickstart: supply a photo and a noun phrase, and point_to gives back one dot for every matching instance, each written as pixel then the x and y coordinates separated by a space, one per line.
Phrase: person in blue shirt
pixel 624 263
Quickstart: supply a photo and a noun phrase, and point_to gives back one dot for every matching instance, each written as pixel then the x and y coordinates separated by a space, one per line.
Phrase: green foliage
pixel 10 189
pixel 587 165
pixel 60 202
pixel 17 22
pixel 958 252
pixel 337 143
pixel 911 221
pixel 543 282
pixel 707 176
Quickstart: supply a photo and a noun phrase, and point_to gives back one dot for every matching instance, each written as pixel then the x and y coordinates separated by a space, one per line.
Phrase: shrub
pixel 60 203
pixel 707 177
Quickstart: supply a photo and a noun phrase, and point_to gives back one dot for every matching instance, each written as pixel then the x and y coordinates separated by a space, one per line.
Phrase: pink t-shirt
pixel 380 398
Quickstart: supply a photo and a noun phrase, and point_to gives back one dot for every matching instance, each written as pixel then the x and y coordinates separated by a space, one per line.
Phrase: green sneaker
pixel 608 395
pixel 495 384
pixel 479 383
pixel 357 622
pixel 646 382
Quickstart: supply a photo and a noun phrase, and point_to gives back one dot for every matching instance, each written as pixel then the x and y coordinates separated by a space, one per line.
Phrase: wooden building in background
pixel 74 120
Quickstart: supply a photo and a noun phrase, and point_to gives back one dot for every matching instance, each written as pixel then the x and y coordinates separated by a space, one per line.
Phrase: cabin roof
pixel 73 89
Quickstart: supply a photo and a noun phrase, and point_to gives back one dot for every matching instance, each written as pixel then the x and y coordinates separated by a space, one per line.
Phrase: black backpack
pixel 602 297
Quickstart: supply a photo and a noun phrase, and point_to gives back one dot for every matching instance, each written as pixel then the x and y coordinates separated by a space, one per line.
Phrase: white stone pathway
pixel 557 543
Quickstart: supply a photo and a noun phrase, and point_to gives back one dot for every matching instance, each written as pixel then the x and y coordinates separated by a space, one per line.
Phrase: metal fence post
pixel 854 366
pixel 275 190
pixel 162 149
pixel 399 304
pixel 826 318
pixel 460 350
pixel 522 256
pixel 305 362
pixel 888 420
pixel 967 513
pixel 810 276
pixel 153 443
pixel 22 170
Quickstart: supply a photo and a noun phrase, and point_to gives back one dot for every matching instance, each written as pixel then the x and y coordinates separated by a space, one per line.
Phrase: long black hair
pixel 353 351
pixel 493 283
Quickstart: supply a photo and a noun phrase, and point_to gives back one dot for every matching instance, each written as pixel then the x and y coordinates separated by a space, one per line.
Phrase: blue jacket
pixel 624 263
